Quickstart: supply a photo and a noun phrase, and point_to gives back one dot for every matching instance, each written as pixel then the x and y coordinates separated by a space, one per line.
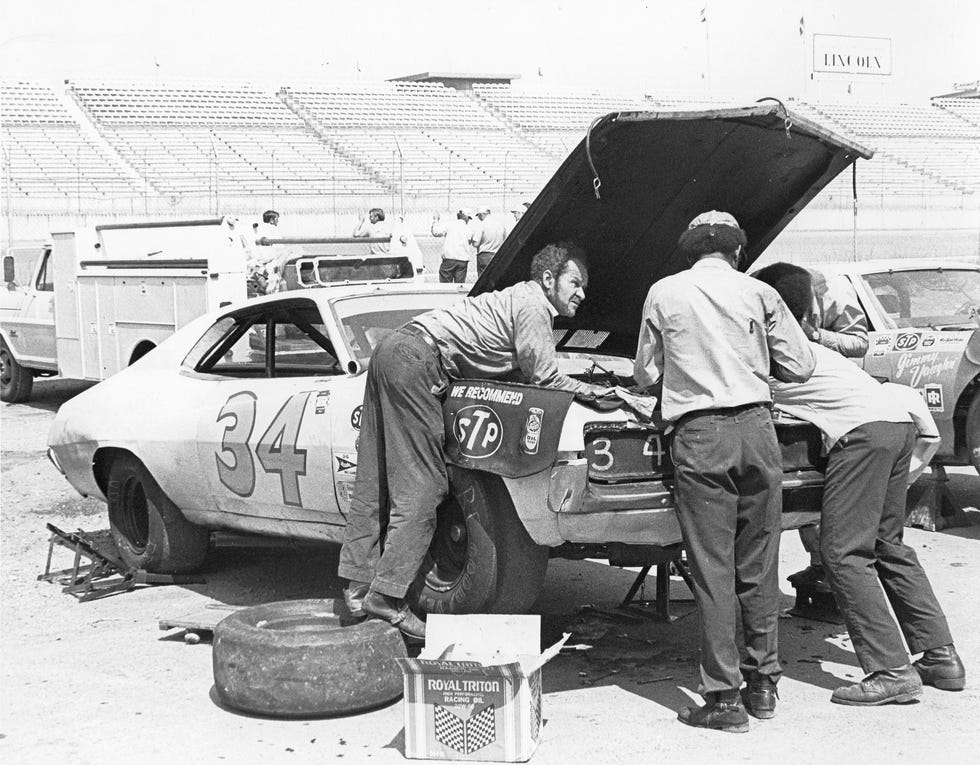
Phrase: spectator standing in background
pixel 493 231
pixel 458 246
pixel 373 225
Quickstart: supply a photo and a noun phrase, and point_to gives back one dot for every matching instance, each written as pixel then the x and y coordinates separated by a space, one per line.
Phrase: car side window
pixel 280 340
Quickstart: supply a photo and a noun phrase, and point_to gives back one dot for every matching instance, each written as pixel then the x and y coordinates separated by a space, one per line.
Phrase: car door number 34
pixel 276 451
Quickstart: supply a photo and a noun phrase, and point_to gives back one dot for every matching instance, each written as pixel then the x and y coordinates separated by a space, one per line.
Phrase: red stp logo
pixel 478 430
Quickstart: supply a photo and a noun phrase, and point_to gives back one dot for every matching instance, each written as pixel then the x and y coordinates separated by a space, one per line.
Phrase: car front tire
pixel 15 381
pixel 481 559
pixel 149 530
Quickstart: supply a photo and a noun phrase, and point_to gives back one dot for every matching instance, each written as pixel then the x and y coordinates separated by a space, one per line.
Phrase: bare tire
pixel 15 381
pixel 150 531
pixel 973 431
pixel 481 558
pixel 302 658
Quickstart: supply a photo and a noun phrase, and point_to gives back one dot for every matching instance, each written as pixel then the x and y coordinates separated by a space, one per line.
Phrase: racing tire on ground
pixel 973 431
pixel 481 559
pixel 149 530
pixel 15 381
pixel 305 658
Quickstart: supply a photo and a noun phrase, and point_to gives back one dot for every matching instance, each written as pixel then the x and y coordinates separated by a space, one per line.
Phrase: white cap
pixel 714 218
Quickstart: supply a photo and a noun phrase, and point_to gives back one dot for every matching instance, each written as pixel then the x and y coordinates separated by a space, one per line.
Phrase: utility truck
pixel 101 297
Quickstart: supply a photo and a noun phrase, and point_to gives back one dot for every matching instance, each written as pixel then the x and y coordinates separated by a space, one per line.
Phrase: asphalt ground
pixel 99 681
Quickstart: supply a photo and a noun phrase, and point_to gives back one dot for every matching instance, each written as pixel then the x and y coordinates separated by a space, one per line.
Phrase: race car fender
pixel 506 429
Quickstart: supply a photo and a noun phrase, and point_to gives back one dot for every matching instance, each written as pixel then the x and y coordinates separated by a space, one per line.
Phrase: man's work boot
pixel 886 686
pixel 354 594
pixel 396 612
pixel 813 578
pixel 759 696
pixel 942 668
pixel 724 711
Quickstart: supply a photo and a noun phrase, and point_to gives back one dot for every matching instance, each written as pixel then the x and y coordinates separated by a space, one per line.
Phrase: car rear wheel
pixel 15 381
pixel 301 658
pixel 481 558
pixel 150 531
pixel 973 431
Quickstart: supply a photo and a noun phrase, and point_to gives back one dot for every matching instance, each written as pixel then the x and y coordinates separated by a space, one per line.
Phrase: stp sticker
pixel 355 417
pixel 933 394
pixel 906 341
pixel 478 430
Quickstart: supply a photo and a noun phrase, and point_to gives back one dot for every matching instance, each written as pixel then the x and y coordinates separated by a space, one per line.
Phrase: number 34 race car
pixel 248 418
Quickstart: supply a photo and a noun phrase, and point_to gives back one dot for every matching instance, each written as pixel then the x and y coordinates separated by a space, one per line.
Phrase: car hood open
pixel 629 189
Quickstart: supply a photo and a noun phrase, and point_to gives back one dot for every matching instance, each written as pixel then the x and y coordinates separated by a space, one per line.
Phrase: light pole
pixel 273 174
pixel 506 154
pixel 401 176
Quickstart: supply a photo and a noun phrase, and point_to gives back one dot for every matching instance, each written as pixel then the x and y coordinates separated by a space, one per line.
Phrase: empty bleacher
pixel 367 140
pixel 46 154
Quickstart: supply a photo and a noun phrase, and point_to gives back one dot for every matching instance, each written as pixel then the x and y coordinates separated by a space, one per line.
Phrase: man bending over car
pixel 870 436
pixel 401 470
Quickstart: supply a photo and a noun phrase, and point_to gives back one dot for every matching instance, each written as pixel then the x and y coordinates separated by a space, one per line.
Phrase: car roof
pixel 895 264
pixel 629 189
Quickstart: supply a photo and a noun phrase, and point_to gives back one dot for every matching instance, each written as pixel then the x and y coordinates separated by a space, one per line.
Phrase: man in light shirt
pixel 836 321
pixel 710 336
pixel 493 231
pixel 870 436
pixel 373 225
pixel 458 245
pixel 485 337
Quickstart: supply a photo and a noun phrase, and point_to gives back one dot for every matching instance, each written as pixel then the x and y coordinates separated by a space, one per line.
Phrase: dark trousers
pixel 482 261
pixel 861 545
pixel 728 494
pixel 401 467
pixel 453 270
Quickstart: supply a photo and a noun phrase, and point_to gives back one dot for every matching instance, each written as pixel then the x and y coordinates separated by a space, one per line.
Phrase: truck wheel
pixel 15 381
pixel 150 531
pixel 299 659
pixel 481 558
pixel 973 431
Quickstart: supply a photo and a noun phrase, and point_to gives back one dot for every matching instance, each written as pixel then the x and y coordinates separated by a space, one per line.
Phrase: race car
pixel 924 322
pixel 247 418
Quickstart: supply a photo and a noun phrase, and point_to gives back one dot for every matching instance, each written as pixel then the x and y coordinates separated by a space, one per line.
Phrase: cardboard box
pixel 474 692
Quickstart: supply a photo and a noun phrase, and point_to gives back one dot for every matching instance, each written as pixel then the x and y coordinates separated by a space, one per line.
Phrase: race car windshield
pixel 366 319
pixel 938 298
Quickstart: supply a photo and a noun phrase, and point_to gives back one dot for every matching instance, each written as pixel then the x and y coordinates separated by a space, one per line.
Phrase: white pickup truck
pixel 101 297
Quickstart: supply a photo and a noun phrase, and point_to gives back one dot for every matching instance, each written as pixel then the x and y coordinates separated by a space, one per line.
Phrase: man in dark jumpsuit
pixel 711 335
pixel 401 459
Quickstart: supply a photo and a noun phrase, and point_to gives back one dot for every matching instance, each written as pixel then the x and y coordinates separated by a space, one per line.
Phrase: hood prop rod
pixel 596 182
pixel 787 122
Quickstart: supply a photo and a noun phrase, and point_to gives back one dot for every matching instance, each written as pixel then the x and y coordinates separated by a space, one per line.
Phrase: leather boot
pixel 942 668
pixel 724 711
pixel 759 696
pixel 886 686
pixel 813 578
pixel 354 594
pixel 396 612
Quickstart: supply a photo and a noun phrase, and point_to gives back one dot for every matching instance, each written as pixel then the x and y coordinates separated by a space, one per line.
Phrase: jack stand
pixel 661 601
pixel 930 504
pixel 97 570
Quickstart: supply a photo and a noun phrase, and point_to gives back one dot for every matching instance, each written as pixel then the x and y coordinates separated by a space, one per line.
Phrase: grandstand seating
pixel 426 141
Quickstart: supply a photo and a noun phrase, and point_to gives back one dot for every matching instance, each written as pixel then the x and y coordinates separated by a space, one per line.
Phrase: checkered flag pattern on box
pixel 534 681
pixel 465 735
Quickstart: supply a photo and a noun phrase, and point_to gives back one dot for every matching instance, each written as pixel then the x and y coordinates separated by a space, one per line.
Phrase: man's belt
pixel 417 330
